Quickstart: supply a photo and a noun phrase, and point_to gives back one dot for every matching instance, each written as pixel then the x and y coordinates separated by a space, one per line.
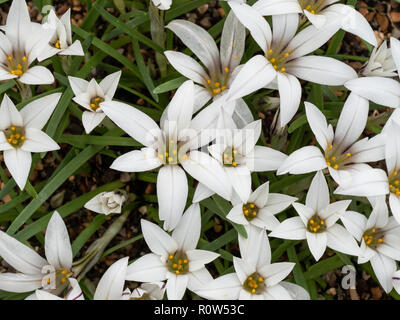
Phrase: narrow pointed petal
pixel 276 272
pixel 19 256
pixel 148 268
pixel 172 191
pixel 37 75
pixel 176 286
pixel 254 75
pixel 78 85
pixel 226 287
pixel 38 141
pixel 304 160
pixel 110 83
pixel 240 178
pixel 111 284
pixel 137 161
pixel 290 96
pixel 187 232
pixel 75 49
pixel 18 162
pixel 341 240
pixel 157 239
pixel 318 125
pixel 277 7
pixel 318 193
pixel 264 159
pixel 9 114
pixel 355 223
pixel 91 120
pixel 255 249
pixel 395 49
pixel 285 27
pixel 383 91
pixel 201 193
pixel 19 282
pixel 317 243
pixel 198 258
pixel 57 243
pixel 292 228
pixel 384 268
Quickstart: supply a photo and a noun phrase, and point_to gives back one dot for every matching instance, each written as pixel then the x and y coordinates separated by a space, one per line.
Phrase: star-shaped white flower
pixel 20 45
pixel 221 66
pixel 320 13
pixel 61 42
pixel 174 258
pixel 90 95
pixel 260 208
pixel 342 154
pixel 255 278
pixel 380 240
pixel 317 222
pixel 34 272
pixel 284 59
pixel 173 146
pixel 20 134
pixel 380 63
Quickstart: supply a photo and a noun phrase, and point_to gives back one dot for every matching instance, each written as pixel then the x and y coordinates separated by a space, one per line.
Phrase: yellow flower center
pixel 334 160
pixel 254 283
pixel 178 263
pixel 95 103
pixel 250 211
pixel 169 154
pixel 373 237
pixel 316 224
pixel 394 183
pixel 312 6
pixel 57 44
pixel 15 136
pixel 17 65
pixel 278 59
pixel 230 157
pixel 219 84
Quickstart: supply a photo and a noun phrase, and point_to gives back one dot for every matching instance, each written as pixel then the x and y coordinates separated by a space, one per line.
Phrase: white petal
pixel 392 147
pixel 9 114
pixel 37 75
pixel 292 228
pixel 197 279
pixel 255 249
pixel 198 258
pixel 395 49
pixel 252 20
pixel 19 256
pixel 254 75
pixel 38 141
pixel 260 195
pixel 187 66
pixel 176 286
pixel 111 284
pixel 236 215
pixel 78 85
pixel 264 159
pixel 322 70
pixel 57 244
pixel 305 213
pixel 137 124
pixel 147 269
pixel 317 243
pixel 290 96
pixel 110 83
pixel 74 49
pixel 368 150
pixel 317 20
pixel 318 193
pixel 277 203
pixel 318 125
pixel 395 206
pixel 18 162
pixel 19 282
pixel 341 240
pixel 276 272
pixel 355 223
pixel 187 232
pixel 297 292
pixel 226 287
pixel 303 160
pixel 172 191
pixel 201 193
pixel 383 91
pixel 38 112
pixel 209 172
pixel 199 41
pixel 91 120
pixel 277 7
pixel 277 292
pixel 285 27
pixel 157 239
pixel 240 178
pixel 352 121
pixel 137 161
pixel 4 145
pixel 384 268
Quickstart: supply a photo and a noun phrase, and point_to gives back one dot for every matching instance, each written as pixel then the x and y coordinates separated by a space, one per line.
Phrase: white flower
pixel 342 154
pixel 148 291
pixel 396 281
pixel 380 63
pixel 284 60
pixel 317 222
pixel 33 270
pixel 162 4
pixel 21 45
pixel 74 293
pixel 260 208
pixel 255 278
pixel 90 95
pixel 174 258
pixel 221 66
pixel 239 156
pixel 173 145
pixel 381 90
pixel 380 240
pixel 106 202
pixel 61 42
pixel 320 13
pixel 20 134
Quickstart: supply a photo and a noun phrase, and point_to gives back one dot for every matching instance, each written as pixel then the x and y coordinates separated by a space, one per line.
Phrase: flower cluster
pixel 207 145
